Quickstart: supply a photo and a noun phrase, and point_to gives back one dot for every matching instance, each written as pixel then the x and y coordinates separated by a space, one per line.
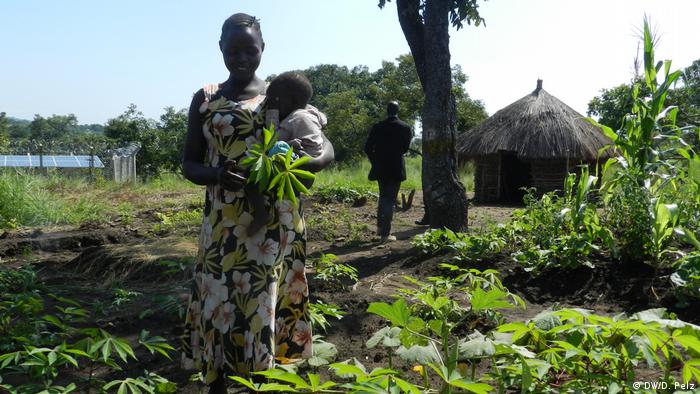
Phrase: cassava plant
pixel 276 173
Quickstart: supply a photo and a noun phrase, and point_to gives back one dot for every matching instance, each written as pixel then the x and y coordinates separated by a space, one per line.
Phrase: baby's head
pixel 289 91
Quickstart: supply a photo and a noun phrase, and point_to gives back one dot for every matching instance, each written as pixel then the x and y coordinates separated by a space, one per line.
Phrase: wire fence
pixel 118 162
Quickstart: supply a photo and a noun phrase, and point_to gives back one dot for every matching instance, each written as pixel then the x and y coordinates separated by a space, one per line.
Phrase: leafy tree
pixel 337 89
pixel 4 133
pixel 425 24
pixel 39 129
pixel 172 130
pixel 17 128
pixel 161 142
pixel 688 96
pixel 133 126
pixel 400 82
pixel 613 104
pixel 91 128
pixel 52 131
pixel 349 123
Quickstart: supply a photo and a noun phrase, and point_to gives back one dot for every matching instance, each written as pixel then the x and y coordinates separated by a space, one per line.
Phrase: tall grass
pixel 355 175
pixel 30 200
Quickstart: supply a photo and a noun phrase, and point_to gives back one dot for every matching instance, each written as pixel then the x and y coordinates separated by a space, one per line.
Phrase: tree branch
pixel 411 23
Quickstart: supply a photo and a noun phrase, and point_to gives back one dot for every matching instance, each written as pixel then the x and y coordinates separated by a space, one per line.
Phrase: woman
pixel 249 300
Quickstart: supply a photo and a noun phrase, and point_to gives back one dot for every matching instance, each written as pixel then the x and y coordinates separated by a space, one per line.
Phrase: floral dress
pixel 249 299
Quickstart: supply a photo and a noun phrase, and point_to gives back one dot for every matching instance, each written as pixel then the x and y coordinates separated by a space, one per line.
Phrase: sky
pixel 94 58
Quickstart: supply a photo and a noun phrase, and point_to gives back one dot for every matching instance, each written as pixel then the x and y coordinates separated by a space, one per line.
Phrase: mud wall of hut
pixel 486 178
pixel 548 175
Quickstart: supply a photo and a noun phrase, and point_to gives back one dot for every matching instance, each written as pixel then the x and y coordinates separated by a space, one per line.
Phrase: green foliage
pixel 628 217
pixel 187 220
pixel 43 346
pixel 4 133
pixel 161 142
pixel 318 312
pixel 424 331
pixel 124 296
pixel 356 98
pixel 276 173
pixel 551 231
pixel 341 193
pixel 329 269
pixel 597 353
pixel 646 186
pixel 26 200
pixel 611 106
pixel 687 275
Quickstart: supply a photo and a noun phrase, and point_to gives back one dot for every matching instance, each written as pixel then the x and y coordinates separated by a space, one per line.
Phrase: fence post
pixel 91 162
pixel 41 157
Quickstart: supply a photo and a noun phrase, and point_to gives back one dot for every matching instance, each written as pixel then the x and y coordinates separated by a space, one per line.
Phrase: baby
pixel 297 124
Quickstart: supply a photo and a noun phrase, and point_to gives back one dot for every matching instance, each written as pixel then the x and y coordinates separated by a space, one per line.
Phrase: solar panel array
pixel 50 161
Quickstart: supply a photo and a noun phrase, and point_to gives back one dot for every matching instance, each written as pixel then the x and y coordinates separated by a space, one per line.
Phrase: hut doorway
pixel 514 174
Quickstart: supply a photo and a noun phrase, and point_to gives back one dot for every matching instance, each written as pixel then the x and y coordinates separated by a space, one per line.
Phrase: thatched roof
pixel 538 126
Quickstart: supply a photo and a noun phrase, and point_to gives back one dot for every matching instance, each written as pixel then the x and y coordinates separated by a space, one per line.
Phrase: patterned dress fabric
pixel 249 300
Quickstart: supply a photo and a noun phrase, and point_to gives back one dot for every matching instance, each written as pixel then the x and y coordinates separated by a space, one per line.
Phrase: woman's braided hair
pixel 240 20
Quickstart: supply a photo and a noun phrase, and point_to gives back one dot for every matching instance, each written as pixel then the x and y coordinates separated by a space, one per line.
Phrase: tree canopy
pixel 355 98
pixel 352 98
pixel 612 104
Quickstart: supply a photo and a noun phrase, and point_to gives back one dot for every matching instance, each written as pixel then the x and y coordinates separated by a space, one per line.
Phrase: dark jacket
pixel 386 144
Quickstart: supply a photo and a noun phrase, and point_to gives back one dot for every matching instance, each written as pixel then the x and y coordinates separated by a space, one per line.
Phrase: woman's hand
pixel 232 177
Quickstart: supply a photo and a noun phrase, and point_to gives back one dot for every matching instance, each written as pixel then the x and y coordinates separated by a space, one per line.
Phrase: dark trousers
pixel 388 190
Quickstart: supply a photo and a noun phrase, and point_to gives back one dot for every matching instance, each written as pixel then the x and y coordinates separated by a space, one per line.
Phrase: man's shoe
pixel 388 238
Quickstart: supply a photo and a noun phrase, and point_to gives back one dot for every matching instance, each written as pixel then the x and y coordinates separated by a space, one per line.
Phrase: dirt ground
pixel 91 264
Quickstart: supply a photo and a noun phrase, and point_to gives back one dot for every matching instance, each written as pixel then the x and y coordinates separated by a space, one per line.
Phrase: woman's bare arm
pixel 195 149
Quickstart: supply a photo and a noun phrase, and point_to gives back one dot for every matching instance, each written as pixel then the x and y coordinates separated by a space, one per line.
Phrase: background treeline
pixel 611 106
pixel 353 98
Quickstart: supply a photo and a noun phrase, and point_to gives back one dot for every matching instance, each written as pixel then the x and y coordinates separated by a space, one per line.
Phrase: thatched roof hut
pixel 533 142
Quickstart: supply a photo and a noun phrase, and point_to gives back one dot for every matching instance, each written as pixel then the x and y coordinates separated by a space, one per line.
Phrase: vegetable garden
pixel 595 289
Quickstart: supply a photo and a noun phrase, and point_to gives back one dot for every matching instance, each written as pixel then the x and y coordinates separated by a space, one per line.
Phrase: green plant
pixel 26 199
pixel 318 312
pixel 150 383
pixel 123 296
pixel 336 192
pixel 186 219
pixel 466 247
pixel 40 347
pixel 628 217
pixel 276 173
pixel 424 331
pixel 426 342
pixel 125 211
pixel 294 382
pixel 687 275
pixel 573 349
pixel 329 269
pixel 653 166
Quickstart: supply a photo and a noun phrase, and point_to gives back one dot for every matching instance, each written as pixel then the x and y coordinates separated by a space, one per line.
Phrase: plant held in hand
pixel 276 172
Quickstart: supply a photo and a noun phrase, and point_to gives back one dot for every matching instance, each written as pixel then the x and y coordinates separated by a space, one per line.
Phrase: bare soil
pixel 90 263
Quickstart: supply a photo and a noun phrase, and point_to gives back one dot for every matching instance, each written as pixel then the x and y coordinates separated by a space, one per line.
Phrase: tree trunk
pixel 444 196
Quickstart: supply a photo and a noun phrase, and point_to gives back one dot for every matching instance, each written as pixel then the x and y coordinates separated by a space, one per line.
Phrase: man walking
pixel 386 144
